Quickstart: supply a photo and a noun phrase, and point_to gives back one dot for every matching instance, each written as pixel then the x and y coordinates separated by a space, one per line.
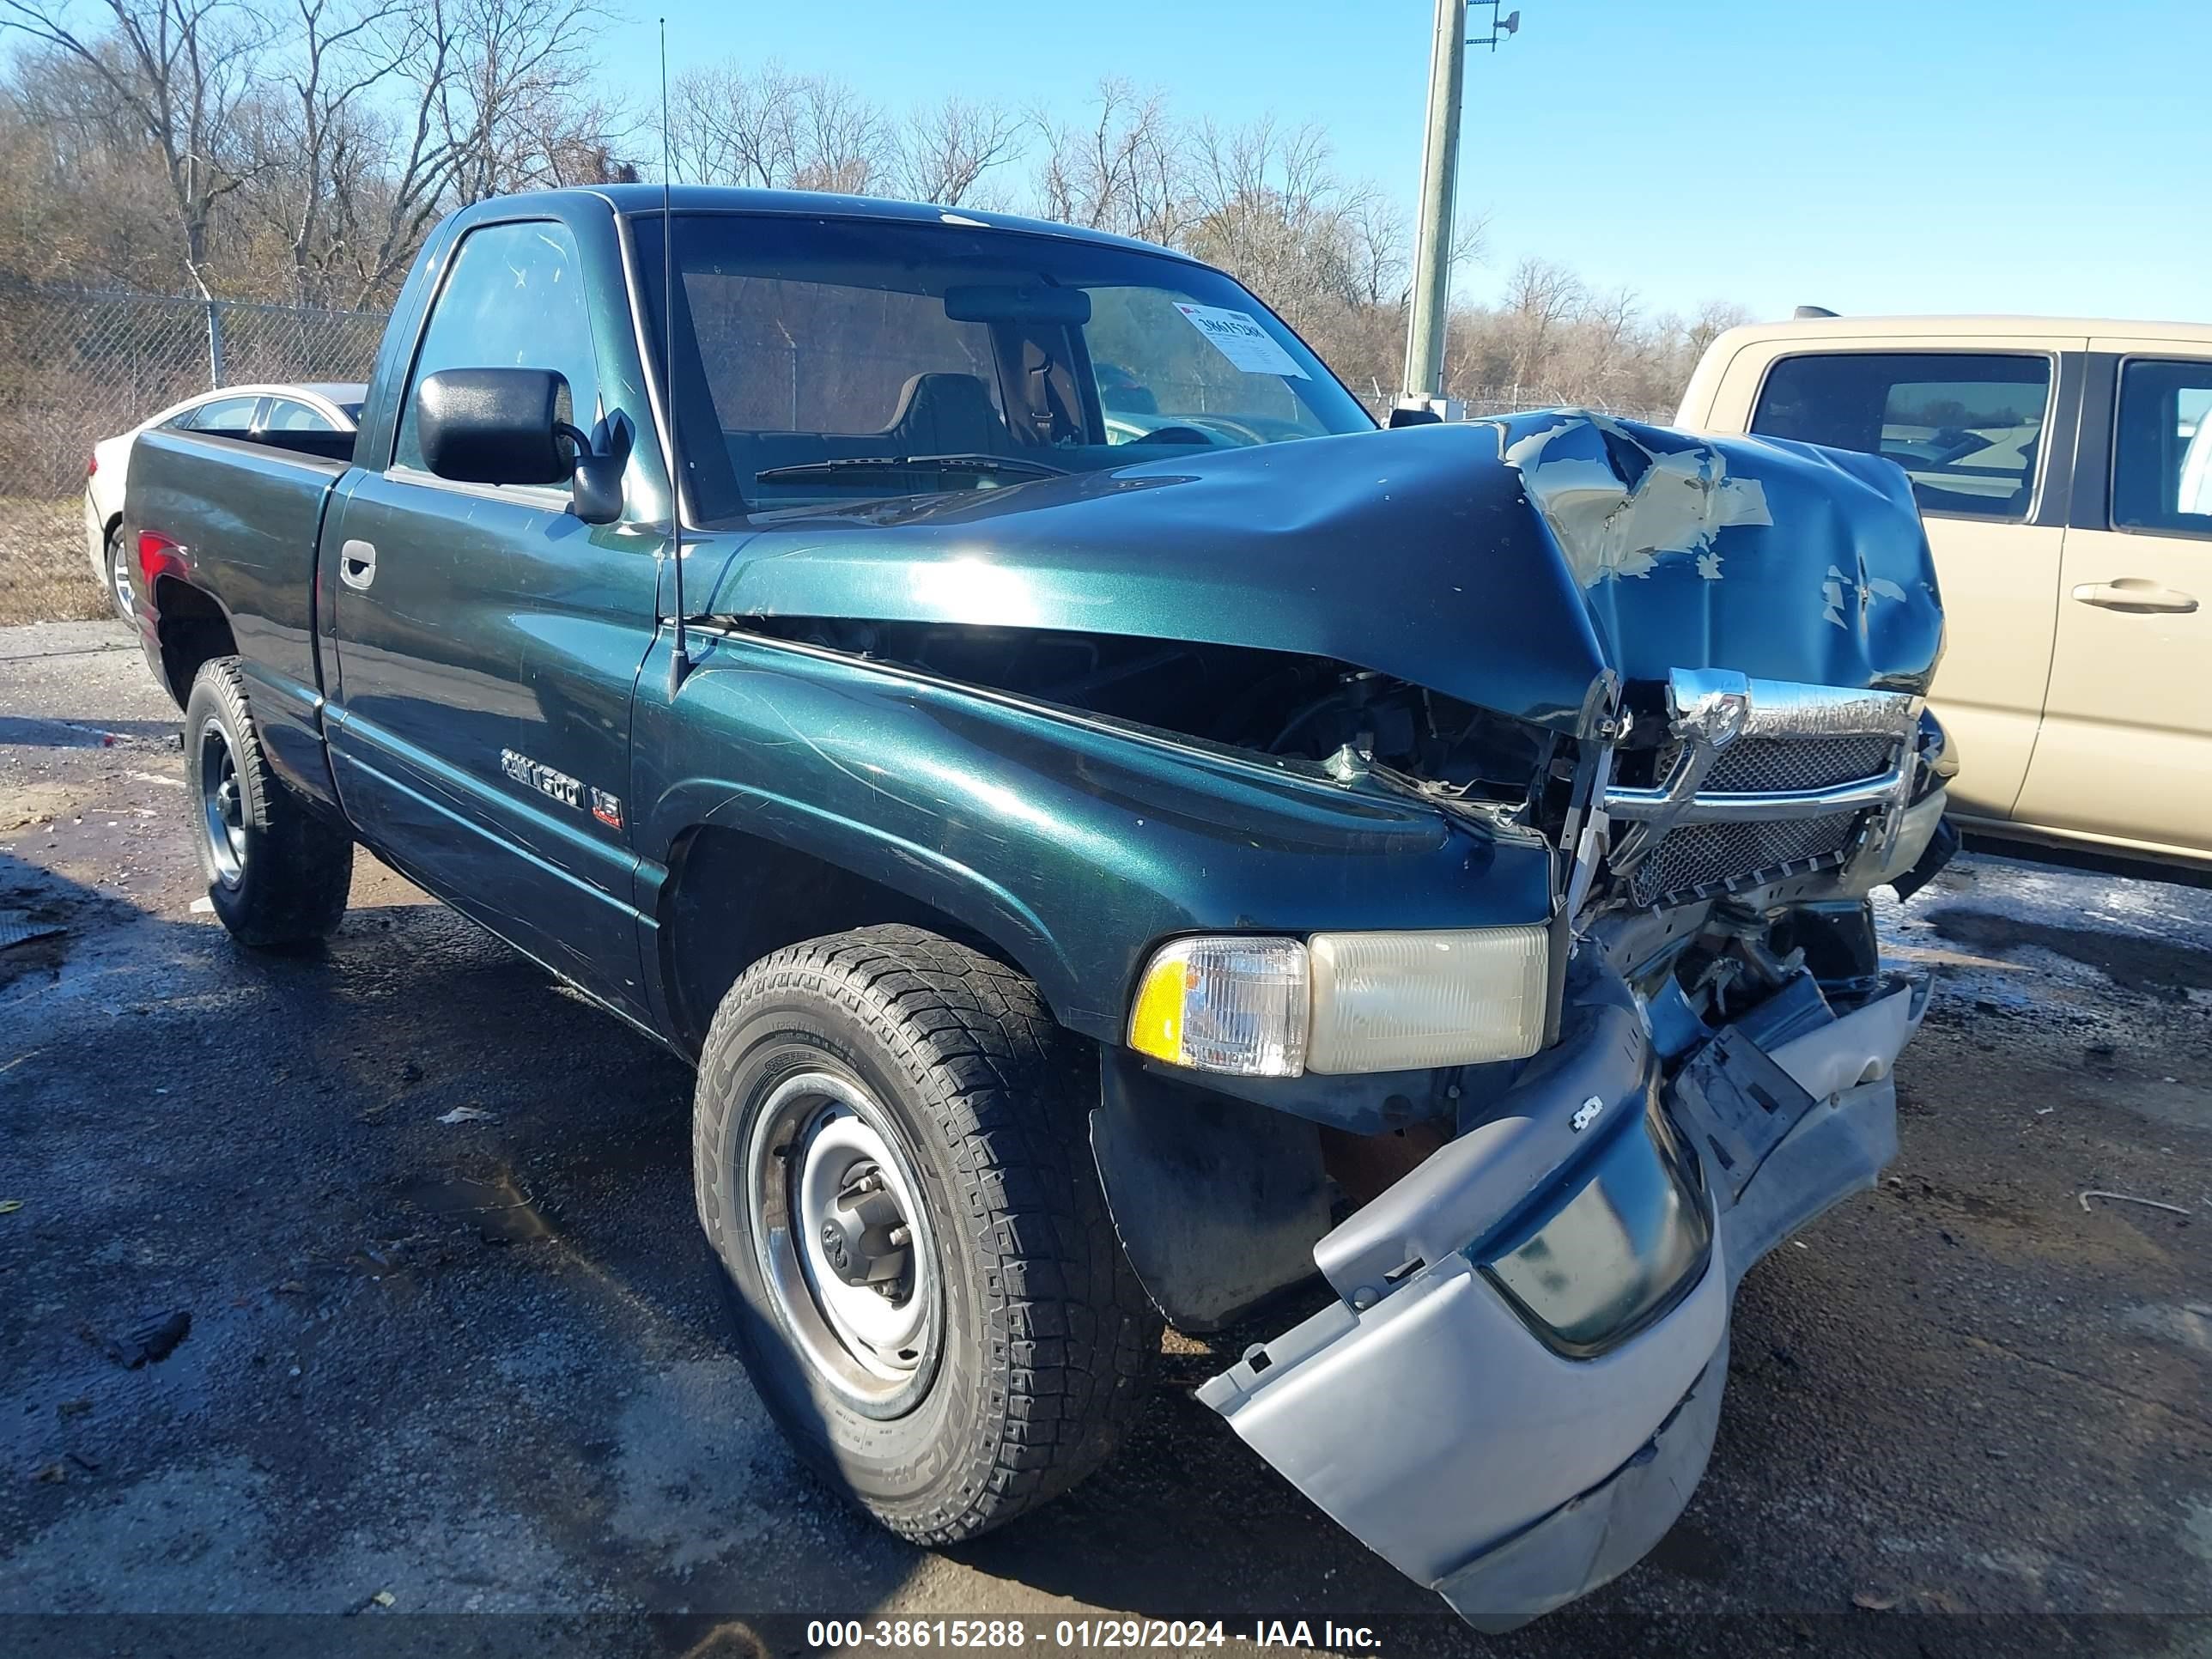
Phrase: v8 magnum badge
pixel 559 785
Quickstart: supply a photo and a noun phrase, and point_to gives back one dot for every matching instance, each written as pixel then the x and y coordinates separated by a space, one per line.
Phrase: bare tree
pixel 497 97
pixel 1540 297
pixel 775 131
pixel 1125 171
pixel 323 140
pixel 946 150
pixel 182 70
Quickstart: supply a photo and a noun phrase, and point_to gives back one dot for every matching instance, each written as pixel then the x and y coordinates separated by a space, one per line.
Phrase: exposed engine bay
pixel 1627 802
pixel 1269 703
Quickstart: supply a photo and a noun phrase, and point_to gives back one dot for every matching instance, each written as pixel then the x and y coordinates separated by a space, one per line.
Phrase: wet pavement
pixel 475 1365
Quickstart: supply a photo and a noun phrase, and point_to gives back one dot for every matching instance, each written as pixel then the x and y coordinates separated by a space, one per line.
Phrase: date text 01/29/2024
pixel 1176 1635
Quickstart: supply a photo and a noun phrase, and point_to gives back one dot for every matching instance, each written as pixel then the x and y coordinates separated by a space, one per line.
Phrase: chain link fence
pixel 77 365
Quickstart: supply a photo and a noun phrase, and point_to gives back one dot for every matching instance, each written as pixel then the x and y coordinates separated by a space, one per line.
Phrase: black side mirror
pixel 505 426
pixel 493 425
pixel 1405 415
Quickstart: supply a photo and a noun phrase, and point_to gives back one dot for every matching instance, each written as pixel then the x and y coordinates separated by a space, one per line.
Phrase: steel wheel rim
pixel 223 810
pixel 814 1141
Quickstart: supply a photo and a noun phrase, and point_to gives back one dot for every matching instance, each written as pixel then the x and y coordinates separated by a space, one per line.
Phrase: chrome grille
pixel 1761 780
pixel 1757 765
pixel 1696 859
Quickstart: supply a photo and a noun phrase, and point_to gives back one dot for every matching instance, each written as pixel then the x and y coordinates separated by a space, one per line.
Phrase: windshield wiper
pixel 876 465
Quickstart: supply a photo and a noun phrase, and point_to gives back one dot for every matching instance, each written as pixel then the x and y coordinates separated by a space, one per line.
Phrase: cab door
pixel 1983 428
pixel 488 643
pixel 2125 755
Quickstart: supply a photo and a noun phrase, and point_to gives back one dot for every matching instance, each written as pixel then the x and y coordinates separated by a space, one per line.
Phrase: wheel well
pixel 731 898
pixel 193 631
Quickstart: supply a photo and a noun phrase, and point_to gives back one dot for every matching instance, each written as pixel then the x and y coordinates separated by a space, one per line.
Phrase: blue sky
pixel 1959 154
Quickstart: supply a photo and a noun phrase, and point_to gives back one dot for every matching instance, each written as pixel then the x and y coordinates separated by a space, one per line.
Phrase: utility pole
pixel 1422 383
pixel 1425 337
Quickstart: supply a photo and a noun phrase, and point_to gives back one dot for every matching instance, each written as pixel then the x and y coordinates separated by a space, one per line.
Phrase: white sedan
pixel 315 406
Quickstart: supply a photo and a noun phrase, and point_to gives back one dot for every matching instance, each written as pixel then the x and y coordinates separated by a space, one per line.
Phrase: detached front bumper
pixel 1425 1412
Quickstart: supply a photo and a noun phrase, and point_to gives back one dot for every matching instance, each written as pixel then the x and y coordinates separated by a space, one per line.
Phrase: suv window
pixel 1967 428
pixel 514 299
pixel 2162 448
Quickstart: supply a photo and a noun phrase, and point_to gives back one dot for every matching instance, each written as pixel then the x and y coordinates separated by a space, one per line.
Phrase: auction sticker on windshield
pixel 1241 340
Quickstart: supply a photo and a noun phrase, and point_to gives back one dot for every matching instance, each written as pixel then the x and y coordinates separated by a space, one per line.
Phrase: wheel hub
pixel 842 1240
pixel 865 1236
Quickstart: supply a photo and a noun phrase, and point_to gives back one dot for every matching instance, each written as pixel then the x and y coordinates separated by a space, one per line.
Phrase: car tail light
pixel 92 464
pixel 159 556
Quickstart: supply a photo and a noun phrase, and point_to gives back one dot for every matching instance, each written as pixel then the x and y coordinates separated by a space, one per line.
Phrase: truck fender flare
pixel 921 874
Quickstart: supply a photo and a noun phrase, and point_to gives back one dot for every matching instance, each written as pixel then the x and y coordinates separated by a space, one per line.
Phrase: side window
pixel 2162 448
pixel 512 298
pixel 224 415
pixel 1967 427
pixel 287 415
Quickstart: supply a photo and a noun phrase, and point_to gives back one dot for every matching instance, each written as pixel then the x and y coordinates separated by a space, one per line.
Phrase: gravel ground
pixel 477 1367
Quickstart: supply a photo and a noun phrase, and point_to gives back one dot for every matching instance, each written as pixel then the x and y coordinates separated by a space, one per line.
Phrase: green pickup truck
pixel 1120 838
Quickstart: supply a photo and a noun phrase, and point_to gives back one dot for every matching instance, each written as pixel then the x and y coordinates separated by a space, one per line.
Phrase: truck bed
pixel 247 515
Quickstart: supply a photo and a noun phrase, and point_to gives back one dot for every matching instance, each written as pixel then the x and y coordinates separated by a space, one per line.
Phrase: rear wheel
pixel 118 576
pixel 276 873
pixel 892 1171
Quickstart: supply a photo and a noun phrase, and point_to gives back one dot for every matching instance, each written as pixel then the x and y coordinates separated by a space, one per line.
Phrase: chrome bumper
pixel 1432 1423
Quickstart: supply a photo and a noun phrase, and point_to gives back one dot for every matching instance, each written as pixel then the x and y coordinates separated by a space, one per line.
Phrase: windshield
pixel 828 359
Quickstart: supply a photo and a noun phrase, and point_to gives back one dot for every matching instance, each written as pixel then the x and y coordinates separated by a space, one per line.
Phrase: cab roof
pixel 640 200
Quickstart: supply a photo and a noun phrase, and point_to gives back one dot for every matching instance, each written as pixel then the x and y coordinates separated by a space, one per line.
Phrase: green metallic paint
pixel 1076 846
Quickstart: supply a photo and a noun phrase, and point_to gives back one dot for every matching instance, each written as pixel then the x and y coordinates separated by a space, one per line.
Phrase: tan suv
pixel 2064 467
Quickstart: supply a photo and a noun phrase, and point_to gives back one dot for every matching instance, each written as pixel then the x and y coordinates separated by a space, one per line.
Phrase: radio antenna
pixel 679 659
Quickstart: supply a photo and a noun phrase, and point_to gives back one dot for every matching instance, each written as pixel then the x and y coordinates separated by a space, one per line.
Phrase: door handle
pixel 2134 593
pixel 358 563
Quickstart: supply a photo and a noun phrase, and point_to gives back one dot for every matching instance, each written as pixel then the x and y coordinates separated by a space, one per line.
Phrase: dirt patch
pixel 43 573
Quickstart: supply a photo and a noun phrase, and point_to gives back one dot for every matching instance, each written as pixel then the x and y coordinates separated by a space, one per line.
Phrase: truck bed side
pixel 245 518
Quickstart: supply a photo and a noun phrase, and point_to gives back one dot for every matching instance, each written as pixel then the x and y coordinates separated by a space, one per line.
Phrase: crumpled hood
pixel 1511 564
pixel 1782 560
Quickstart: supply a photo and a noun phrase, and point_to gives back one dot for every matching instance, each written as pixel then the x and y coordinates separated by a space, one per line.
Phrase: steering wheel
pixel 1176 434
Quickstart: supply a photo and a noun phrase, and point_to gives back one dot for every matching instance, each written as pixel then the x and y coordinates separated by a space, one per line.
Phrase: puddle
pixel 494 1207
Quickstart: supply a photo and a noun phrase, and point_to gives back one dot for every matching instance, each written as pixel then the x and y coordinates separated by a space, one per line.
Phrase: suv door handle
pixel 2134 593
pixel 357 564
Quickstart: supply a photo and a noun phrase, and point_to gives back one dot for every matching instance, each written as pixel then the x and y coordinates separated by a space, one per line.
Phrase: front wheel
pixel 276 874
pixel 892 1167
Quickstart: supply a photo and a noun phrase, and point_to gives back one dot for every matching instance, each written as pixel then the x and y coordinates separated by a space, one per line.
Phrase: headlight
pixel 1224 1005
pixel 1344 1002
pixel 1627 1242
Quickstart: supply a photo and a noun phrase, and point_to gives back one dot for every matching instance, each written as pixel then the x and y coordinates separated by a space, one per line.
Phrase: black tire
pixel 118 580
pixel 1047 1344
pixel 284 878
